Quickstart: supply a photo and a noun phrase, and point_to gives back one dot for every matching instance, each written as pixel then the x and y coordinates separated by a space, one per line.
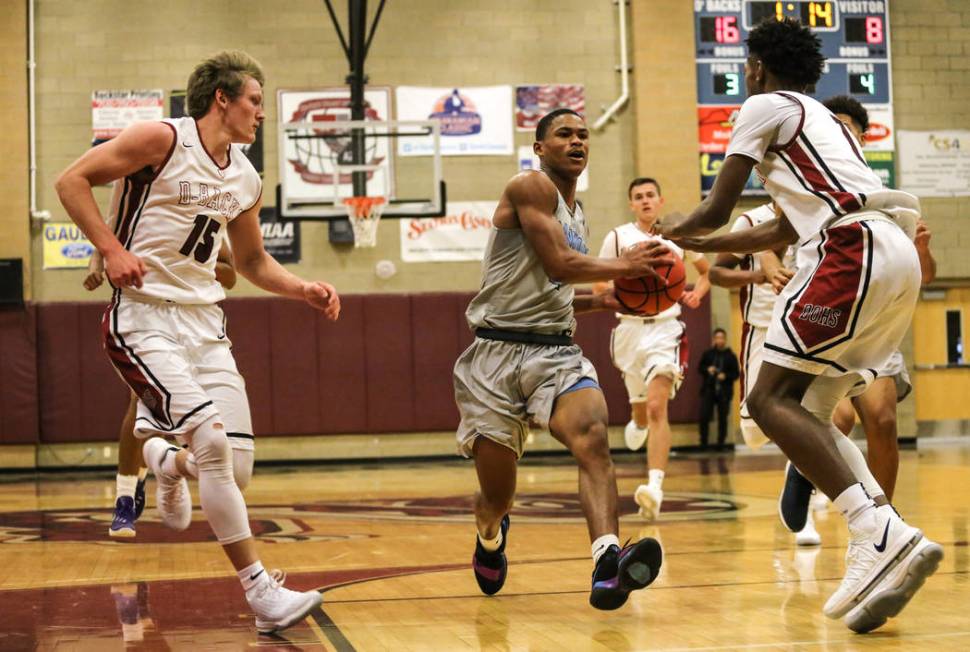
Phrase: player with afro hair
pixel 785 49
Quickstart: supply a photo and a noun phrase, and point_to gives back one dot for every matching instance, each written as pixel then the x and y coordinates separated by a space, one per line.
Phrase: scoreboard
pixel 855 44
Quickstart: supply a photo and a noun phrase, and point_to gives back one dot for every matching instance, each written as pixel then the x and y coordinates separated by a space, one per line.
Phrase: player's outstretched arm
pixel 725 274
pixel 715 211
pixel 532 198
pixel 263 271
pixel 702 285
pixel 767 236
pixel 144 144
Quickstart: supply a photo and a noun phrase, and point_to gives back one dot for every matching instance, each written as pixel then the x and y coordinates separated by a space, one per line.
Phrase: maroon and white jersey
pixel 757 300
pixel 811 165
pixel 175 218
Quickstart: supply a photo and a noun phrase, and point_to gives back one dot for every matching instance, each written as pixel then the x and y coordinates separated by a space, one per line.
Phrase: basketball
pixel 646 296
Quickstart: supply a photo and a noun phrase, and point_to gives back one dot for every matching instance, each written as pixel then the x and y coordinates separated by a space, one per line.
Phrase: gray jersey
pixel 516 294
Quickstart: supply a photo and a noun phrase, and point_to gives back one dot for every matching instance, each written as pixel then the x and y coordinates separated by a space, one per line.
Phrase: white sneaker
pixel 886 562
pixel 808 535
pixel 649 497
pixel 634 437
pixel 172 497
pixel 277 607
pixel 820 501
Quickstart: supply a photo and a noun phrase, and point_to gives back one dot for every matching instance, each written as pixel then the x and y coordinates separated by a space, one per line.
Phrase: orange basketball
pixel 646 296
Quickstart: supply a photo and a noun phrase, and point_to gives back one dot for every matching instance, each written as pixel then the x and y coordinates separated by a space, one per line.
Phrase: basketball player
pixel 163 330
pixel 130 480
pixel 523 366
pixel 650 352
pixel 844 312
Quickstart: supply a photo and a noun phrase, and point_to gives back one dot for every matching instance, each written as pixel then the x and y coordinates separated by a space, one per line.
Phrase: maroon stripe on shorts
pixel 824 309
pixel 125 362
pixel 745 354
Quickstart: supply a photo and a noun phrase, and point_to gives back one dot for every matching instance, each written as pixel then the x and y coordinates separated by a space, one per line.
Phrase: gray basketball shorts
pixel 500 387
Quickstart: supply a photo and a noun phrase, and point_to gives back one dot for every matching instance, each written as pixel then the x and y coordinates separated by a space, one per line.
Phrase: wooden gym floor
pixel 390 546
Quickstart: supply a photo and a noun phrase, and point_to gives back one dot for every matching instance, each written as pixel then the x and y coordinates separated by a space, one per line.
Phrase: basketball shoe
pixel 794 499
pixel 276 607
pixel 491 567
pixel 618 572
pixel 634 436
pixel 172 498
pixel 808 535
pixel 123 521
pixel 139 498
pixel 886 562
pixel 649 498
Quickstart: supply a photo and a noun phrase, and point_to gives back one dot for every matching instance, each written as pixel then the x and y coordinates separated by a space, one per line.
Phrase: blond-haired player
pixel 163 330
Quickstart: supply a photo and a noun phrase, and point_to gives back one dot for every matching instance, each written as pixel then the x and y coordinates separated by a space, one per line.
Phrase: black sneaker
pixel 619 572
pixel 794 500
pixel 491 567
pixel 123 521
pixel 139 498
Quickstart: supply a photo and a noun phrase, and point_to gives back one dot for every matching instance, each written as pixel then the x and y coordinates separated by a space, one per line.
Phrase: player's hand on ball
pixel 323 297
pixel 124 269
pixel 643 257
pixel 93 281
pixel 691 299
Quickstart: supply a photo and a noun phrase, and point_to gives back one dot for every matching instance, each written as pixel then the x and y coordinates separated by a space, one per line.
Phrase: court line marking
pixel 787 644
pixel 311 620
pixel 323 623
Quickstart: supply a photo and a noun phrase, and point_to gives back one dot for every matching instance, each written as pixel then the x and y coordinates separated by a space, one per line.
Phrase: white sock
pixel 491 545
pixel 252 575
pixel 656 477
pixel 125 485
pixel 857 462
pixel 602 544
pixel 853 502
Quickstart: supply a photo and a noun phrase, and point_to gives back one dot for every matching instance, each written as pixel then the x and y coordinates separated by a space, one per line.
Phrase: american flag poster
pixel 534 101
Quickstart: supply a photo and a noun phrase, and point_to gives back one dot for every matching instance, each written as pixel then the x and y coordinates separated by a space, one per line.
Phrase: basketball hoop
pixel 364 214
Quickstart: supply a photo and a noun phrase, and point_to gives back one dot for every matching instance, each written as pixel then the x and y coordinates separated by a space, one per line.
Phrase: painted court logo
pixel 457 115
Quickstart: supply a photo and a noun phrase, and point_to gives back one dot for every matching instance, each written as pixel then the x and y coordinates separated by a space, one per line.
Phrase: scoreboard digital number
pixel 854 35
pixel 855 42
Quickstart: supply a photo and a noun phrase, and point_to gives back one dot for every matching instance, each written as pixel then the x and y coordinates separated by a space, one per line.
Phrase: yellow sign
pixel 65 247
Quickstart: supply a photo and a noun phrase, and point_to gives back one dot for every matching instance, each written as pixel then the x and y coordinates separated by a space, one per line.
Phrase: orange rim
pixel 363 205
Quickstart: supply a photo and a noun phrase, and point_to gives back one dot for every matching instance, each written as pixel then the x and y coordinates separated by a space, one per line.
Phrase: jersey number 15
pixel 202 238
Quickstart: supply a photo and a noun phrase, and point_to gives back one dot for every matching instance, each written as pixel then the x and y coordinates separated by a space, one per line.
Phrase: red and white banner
pixel 535 100
pixel 714 127
pixel 112 111
pixel 462 234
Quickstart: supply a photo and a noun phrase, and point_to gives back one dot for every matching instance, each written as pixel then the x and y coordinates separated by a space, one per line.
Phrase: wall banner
pixel 475 121
pixel 462 234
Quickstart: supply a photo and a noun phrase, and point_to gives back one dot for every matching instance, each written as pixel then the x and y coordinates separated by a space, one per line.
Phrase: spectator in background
pixel 719 369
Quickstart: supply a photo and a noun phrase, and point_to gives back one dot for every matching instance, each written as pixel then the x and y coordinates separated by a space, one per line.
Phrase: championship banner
pixel 309 165
pixel 474 121
pixel 65 247
pixel 462 234
pixel 281 239
pixel 534 101
pixel 112 111
pixel 254 152
pixel 935 163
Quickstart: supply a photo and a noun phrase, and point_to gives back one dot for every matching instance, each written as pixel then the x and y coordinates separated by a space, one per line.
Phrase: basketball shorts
pixel 178 360
pixel 850 302
pixel 896 369
pixel 502 387
pixel 643 350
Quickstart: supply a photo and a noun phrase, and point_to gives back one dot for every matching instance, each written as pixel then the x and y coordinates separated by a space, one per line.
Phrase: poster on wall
pixel 475 121
pixel 935 163
pixel 254 151
pixel 880 137
pixel 529 161
pixel 310 165
pixel 461 235
pixel 715 124
pixel 280 239
pixel 535 100
pixel 65 246
pixel 112 111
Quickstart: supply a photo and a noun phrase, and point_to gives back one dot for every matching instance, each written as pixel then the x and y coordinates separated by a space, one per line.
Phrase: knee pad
pixel 210 445
pixel 242 467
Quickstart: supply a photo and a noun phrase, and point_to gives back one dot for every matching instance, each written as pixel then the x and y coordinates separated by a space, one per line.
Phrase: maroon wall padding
pixel 342 389
pixel 390 362
pixel 384 366
pixel 248 327
pixel 18 376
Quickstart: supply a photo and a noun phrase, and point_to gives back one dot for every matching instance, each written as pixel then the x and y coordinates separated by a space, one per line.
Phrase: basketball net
pixel 364 214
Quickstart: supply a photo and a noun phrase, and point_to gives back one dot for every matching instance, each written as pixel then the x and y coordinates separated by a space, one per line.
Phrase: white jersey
pixel 811 165
pixel 175 219
pixel 625 236
pixel 757 300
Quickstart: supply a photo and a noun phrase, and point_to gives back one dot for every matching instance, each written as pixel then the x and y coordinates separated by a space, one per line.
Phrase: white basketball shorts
pixel 643 350
pixel 178 360
pixel 850 302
